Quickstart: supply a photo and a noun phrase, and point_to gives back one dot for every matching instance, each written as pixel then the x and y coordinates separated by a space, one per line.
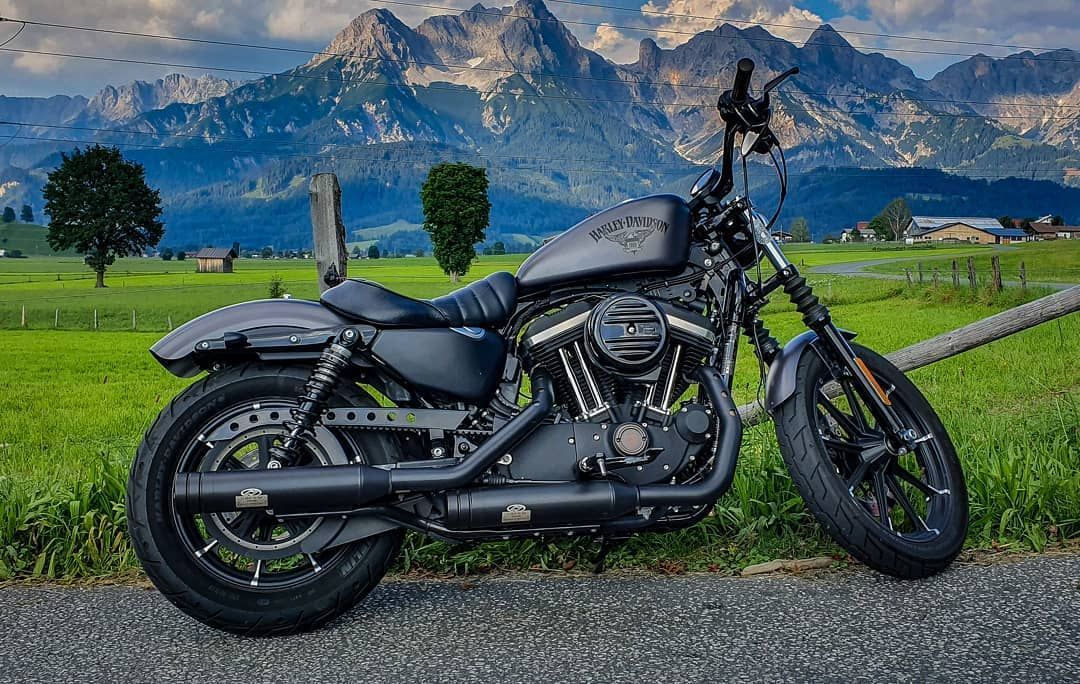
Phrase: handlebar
pixel 743 72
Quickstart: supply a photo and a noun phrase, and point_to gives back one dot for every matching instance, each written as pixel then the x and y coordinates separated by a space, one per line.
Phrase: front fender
pixel 176 351
pixel 780 384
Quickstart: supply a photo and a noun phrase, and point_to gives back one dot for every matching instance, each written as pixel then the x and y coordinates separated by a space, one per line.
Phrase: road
pixel 1007 622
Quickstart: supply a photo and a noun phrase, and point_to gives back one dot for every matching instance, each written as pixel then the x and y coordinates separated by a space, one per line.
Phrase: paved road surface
pixel 1012 622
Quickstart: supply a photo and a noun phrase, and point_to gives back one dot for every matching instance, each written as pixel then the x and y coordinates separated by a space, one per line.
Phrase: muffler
pixel 332 489
pixel 539 505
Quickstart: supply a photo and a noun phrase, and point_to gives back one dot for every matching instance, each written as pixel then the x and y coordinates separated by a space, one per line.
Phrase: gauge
pixel 705 182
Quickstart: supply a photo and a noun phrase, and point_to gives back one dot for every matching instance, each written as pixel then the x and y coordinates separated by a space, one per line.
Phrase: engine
pixel 621 367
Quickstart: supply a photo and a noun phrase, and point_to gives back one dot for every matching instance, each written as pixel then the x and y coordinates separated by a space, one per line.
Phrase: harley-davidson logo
pixel 629 231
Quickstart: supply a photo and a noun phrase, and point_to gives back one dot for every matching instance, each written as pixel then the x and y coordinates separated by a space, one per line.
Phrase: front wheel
pixel 903 514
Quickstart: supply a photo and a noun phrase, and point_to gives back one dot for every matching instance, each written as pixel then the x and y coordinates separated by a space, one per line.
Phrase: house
pixel 782 236
pixel 1042 230
pixel 215 260
pixel 974 229
pixel 867 235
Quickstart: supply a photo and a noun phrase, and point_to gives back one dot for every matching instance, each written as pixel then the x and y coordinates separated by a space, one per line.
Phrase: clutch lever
pixel 780 79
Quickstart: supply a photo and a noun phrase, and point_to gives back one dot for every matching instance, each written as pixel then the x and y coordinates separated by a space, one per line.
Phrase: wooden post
pixel 56 319
pixel 919 267
pixel 937 276
pixel 24 316
pixel 907 272
pixel 955 274
pixel 971 273
pixel 1023 276
pixel 133 319
pixel 957 341
pixel 328 230
pixel 95 319
pixel 169 320
pixel 995 273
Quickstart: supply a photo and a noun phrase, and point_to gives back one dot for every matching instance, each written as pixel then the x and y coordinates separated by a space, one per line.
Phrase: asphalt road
pixel 1010 622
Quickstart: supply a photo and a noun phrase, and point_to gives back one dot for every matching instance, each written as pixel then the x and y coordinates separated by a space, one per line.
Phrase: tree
pixel 1057 220
pixel 373 252
pixel 456 214
pixel 267 252
pixel 9 215
pixel 276 289
pixel 1006 221
pixel 27 214
pixel 800 230
pixel 856 235
pixel 166 254
pixel 897 216
pixel 357 252
pixel 419 252
pixel 498 248
pixel 181 255
pixel 880 227
pixel 99 203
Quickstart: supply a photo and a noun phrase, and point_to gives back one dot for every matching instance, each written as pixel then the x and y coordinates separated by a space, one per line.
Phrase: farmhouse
pixel 1045 231
pixel 974 229
pixel 865 234
pixel 215 260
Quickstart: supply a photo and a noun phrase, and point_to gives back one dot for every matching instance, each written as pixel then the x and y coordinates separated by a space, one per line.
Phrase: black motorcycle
pixel 589 395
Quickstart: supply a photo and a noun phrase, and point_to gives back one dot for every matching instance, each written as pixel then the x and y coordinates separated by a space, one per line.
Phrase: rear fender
pixel 780 384
pixel 178 351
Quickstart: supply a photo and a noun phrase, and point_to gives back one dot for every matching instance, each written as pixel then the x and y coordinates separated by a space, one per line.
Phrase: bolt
pixel 570 441
pixel 350 333
pixel 708 263
pixel 667 467
pixel 665 428
pixel 294 339
pixel 596 438
pixel 437 452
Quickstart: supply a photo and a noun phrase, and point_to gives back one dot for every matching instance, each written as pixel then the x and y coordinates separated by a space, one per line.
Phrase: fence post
pixel 56 320
pixel 24 316
pixel 1023 276
pixel 907 272
pixel 971 273
pixel 95 320
pixel 995 273
pixel 919 267
pixel 133 319
pixel 169 320
pixel 937 276
pixel 955 274
pixel 328 230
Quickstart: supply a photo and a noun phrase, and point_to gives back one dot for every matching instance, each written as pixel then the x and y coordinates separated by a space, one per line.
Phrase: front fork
pixel 816 317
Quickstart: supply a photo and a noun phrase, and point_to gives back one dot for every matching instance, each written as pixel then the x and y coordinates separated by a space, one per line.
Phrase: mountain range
pixel 564 131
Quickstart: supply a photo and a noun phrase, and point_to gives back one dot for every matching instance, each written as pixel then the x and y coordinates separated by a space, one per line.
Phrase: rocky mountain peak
pixel 125 102
pixel 828 37
pixel 649 55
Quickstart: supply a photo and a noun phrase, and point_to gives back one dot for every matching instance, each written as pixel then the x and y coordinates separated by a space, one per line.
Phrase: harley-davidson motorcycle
pixel 587 395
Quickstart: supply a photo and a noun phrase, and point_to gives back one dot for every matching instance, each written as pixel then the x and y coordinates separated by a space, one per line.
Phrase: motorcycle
pixel 589 394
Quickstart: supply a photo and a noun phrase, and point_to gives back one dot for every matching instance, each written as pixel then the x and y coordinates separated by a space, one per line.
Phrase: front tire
pixel 905 515
pixel 233 573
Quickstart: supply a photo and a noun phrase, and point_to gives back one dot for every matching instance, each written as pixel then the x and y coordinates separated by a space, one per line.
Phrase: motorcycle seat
pixel 485 303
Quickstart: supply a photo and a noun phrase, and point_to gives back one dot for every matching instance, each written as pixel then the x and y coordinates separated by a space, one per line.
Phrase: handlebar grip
pixel 743 72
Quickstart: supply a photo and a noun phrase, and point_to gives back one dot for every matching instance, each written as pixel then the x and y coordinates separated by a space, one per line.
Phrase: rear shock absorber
pixel 313 397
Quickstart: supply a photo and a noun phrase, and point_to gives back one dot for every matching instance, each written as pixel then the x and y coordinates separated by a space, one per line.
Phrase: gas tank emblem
pixel 630 232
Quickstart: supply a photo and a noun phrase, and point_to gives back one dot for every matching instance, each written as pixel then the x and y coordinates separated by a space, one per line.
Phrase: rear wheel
pixel 904 514
pixel 250 572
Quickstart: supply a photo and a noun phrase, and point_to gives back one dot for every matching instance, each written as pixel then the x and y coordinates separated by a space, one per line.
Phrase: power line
pixel 458 89
pixel 802 27
pixel 369 58
pixel 369 148
pixel 619 168
pixel 648 29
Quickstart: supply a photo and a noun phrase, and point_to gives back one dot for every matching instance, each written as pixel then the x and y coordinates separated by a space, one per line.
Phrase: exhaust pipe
pixel 539 505
pixel 346 487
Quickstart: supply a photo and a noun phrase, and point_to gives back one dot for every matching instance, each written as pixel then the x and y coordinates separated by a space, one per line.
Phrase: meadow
pixel 74 403
pixel 1055 261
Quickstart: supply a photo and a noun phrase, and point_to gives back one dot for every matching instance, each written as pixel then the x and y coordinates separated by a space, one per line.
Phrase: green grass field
pixel 74 404
pixel 1057 261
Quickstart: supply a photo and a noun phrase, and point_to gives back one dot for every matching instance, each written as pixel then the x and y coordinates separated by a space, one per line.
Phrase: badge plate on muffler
pixel 252 498
pixel 516 513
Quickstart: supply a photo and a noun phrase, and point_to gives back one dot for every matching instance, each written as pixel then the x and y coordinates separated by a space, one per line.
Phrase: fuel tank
pixel 648 235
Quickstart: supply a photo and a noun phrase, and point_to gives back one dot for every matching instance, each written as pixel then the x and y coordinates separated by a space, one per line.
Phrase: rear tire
pixel 922 526
pixel 204 587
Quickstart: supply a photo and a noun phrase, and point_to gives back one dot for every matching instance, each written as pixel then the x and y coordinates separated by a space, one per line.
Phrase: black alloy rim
pixel 907 493
pixel 252 549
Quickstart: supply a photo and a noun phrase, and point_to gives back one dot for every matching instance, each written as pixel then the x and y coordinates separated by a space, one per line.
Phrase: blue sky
pixel 311 24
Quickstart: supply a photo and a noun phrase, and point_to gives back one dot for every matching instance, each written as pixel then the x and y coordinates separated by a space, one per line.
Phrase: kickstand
pixel 606 545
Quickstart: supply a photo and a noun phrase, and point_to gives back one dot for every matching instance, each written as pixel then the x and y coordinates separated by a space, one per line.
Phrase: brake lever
pixel 779 79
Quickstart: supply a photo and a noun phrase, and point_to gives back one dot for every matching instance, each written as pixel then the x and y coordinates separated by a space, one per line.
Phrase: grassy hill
pixel 28 238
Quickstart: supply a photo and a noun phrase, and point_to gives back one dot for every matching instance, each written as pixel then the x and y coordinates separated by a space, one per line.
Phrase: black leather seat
pixel 485 303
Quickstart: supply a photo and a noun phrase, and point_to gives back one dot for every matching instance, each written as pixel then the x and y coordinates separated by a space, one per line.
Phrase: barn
pixel 215 260
pixel 974 229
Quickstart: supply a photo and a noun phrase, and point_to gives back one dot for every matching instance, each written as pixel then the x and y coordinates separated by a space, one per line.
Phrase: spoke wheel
pixel 901 510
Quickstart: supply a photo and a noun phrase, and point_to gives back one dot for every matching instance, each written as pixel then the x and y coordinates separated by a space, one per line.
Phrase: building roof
pixel 1047 229
pixel 928 224
pixel 215 253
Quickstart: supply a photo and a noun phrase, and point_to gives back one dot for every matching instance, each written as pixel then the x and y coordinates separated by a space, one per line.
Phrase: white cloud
pixel 614 44
pixel 702 15
pixel 300 19
pixel 40 65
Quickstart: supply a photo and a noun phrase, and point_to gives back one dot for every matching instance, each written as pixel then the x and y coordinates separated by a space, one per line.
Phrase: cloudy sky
pixel 613 30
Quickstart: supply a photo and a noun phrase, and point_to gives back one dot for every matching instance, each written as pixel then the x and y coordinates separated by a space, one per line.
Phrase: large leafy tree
pixel 800 230
pixel 27 215
pixel 99 204
pixel 456 214
pixel 9 215
pixel 896 217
